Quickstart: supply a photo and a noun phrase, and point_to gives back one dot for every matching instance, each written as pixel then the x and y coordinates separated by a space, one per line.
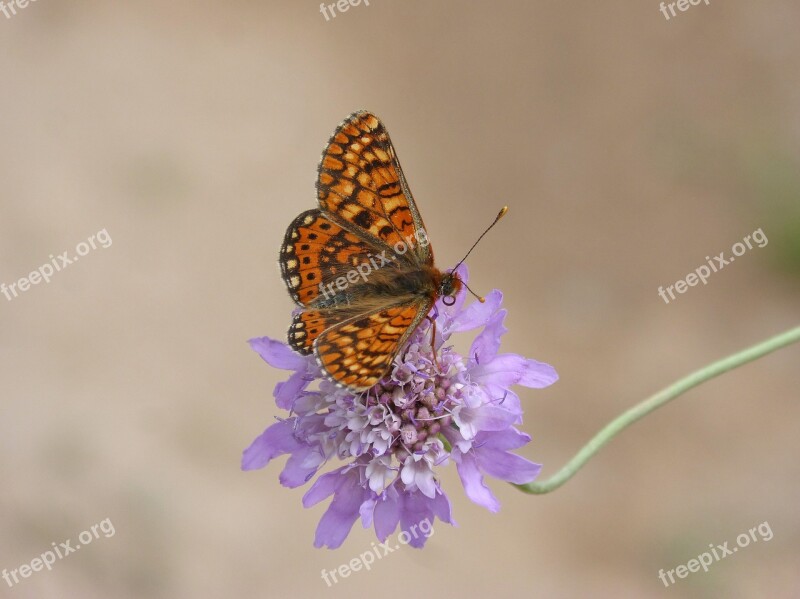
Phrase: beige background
pixel 628 148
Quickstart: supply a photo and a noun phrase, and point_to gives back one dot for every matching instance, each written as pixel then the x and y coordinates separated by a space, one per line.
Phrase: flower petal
pixel 510 438
pixel 277 440
pixel 442 509
pixel 512 369
pixel 477 314
pixel 324 486
pixel 538 375
pixel 485 345
pixel 472 479
pixel 367 511
pixel 486 417
pixel 338 519
pixel 300 467
pixel 387 514
pixel 277 354
pixel 506 466
pixel 417 473
pixel 288 391
pixel 507 399
pixel 417 508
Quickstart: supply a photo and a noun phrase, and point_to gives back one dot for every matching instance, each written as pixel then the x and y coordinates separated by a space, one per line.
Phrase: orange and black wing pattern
pixel 360 182
pixel 357 352
pixel 317 250
pixel 307 326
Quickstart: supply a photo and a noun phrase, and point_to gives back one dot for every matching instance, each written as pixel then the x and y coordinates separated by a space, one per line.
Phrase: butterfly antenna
pixel 500 215
pixel 480 298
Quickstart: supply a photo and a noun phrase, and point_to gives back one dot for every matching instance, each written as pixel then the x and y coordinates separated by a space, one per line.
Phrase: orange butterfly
pixel 360 266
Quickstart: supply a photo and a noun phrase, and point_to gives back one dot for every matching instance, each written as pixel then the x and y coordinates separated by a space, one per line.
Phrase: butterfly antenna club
pixel 500 215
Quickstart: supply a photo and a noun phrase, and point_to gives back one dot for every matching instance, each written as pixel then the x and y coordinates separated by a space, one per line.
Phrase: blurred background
pixel 628 148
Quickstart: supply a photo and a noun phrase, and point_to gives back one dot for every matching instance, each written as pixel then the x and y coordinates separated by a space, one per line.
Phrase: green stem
pixel 654 402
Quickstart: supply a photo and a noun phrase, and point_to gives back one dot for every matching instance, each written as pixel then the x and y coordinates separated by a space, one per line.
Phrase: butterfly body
pixel 390 284
pixel 360 267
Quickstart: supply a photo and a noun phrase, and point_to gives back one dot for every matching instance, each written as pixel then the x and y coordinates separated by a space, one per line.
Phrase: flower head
pixel 433 406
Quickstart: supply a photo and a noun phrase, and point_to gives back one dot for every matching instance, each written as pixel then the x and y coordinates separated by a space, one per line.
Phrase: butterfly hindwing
pixel 308 325
pixel 360 181
pixel 357 352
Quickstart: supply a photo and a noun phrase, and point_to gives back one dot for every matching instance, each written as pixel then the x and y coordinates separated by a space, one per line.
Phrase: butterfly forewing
pixel 361 182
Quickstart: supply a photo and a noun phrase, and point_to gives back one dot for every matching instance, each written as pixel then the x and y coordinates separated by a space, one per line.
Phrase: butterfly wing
pixel 359 351
pixel 318 250
pixel 360 183
pixel 308 325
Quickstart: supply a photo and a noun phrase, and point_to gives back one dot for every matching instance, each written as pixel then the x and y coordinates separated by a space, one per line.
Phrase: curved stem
pixel 654 402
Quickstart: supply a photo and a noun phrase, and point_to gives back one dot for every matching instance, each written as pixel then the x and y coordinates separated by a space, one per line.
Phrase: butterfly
pixel 360 267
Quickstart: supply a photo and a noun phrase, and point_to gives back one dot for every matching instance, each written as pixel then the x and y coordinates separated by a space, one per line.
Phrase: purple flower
pixel 395 435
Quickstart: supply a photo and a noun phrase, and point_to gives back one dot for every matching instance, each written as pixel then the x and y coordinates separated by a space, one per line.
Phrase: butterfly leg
pixel 433 342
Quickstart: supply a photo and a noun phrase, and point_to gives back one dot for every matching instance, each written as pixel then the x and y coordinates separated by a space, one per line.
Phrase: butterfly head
pixel 449 287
